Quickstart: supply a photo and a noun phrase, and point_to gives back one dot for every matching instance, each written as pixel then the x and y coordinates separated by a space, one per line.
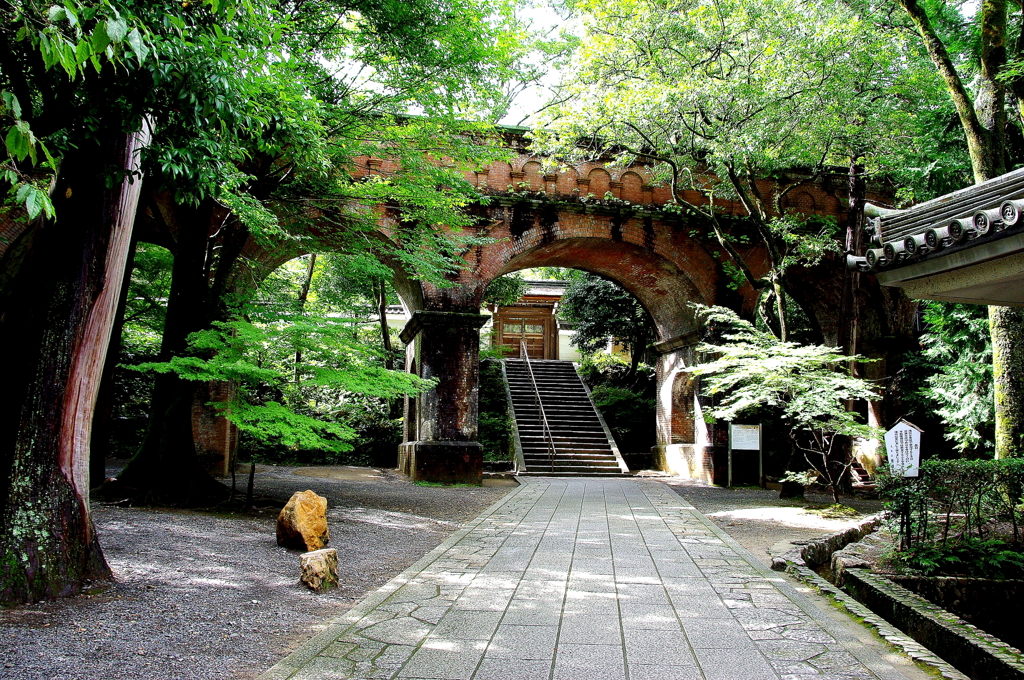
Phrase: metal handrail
pixel 541 416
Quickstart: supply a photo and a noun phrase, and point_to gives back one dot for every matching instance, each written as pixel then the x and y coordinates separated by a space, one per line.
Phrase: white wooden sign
pixel 903 446
pixel 745 437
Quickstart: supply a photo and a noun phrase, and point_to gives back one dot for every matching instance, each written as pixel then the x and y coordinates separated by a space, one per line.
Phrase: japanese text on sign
pixel 903 446
pixel 745 437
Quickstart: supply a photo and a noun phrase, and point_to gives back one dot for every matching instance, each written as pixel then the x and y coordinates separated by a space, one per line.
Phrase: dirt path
pixel 763 523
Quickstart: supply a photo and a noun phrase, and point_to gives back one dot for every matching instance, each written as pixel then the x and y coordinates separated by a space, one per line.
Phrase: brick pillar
pixel 517 179
pixel 683 445
pixel 647 194
pixel 551 184
pixel 441 423
pixel 216 438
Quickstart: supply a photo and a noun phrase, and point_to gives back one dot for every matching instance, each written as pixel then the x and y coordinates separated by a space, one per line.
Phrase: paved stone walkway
pixel 586 579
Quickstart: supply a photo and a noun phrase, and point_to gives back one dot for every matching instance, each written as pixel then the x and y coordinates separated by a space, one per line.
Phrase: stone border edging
pixel 819 551
pixel 883 628
pixel 983 655
pixel 292 663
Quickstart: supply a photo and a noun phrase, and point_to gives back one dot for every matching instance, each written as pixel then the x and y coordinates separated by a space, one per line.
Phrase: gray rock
pixel 319 569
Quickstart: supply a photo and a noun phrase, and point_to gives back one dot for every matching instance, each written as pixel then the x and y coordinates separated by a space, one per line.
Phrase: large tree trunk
pixel 1007 326
pixel 60 299
pixel 979 119
pixel 103 418
pixel 166 469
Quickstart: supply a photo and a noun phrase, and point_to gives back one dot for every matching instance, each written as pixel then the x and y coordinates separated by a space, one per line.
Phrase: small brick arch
pixel 499 177
pixel 532 173
pixel 801 201
pixel 566 182
pixel 632 187
pixel 600 182
pixel 830 206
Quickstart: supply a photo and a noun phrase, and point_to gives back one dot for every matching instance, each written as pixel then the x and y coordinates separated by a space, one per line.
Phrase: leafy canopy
pixel 599 309
pixel 749 369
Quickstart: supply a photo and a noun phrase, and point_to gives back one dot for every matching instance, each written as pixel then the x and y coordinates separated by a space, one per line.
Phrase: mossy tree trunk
pixel 61 283
pixel 1007 325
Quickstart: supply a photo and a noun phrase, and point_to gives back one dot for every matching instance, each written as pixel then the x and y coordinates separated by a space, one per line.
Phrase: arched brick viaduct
pixel 611 221
pixel 605 220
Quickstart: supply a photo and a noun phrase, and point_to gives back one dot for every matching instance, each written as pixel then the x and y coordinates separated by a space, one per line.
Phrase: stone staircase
pixel 861 479
pixel 583 445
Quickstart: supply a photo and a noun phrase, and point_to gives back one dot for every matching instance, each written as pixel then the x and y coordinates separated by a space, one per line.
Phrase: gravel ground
pixel 763 523
pixel 205 596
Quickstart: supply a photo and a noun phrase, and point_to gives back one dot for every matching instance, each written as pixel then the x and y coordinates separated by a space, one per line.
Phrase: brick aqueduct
pixel 606 220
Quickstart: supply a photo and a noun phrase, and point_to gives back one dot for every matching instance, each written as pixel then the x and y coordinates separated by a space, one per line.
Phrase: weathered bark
pixel 983 144
pixel 1007 327
pixel 385 330
pixel 303 296
pixel 103 418
pixel 849 309
pixel 984 123
pixel 990 101
pixel 55 324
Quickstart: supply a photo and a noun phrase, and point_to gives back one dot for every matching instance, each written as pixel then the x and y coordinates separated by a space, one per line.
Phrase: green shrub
pixel 602 368
pixel 954 501
pixel 494 421
pixel 629 415
pixel 972 557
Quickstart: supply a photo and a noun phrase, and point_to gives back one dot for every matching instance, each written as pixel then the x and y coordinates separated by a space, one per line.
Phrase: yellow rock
pixel 302 524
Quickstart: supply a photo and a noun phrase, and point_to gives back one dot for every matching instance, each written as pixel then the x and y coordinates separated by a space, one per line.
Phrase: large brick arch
pixel 662 288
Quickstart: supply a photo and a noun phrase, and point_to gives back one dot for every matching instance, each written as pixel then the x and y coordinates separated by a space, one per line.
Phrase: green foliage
pixel 804 478
pixel 272 422
pixel 629 415
pixel 505 290
pixel 809 384
pixel 602 368
pixel 973 557
pixel 259 359
pixel 952 501
pixel 599 308
pixel 718 95
pixel 148 290
pixel 957 347
pixel 495 421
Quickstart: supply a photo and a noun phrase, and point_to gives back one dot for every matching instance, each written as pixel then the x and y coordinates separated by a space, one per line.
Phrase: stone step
pixel 567 451
pixel 581 443
pixel 565 441
pixel 564 473
pixel 570 460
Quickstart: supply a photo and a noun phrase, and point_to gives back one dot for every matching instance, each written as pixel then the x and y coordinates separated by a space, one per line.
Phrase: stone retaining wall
pixel 819 551
pixel 979 655
pixel 990 604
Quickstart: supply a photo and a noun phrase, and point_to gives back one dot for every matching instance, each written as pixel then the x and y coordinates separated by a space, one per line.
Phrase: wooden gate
pixel 533 331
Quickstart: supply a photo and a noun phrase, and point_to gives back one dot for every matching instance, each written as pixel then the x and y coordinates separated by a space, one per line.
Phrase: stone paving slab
pixel 586 579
